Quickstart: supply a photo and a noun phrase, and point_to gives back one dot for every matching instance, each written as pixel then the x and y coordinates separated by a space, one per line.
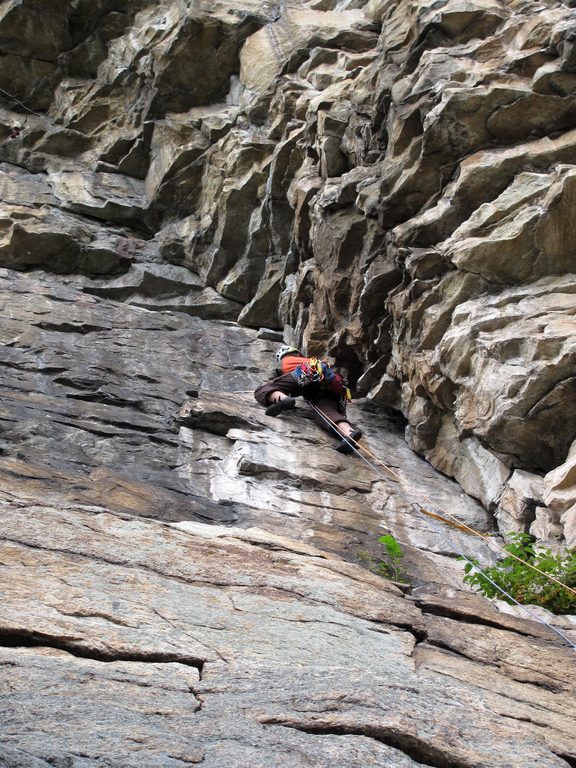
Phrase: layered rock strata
pixel 388 183
pixel 185 184
pixel 222 646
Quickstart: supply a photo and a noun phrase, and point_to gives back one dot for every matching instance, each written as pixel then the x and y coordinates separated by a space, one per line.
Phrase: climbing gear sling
pixel 318 372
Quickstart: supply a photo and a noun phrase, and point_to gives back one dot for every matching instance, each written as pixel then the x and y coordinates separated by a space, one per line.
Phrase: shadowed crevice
pixel 25 639
pixel 416 749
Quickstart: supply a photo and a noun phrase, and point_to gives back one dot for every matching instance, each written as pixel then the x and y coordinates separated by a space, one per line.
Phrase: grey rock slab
pixel 321 470
pixel 107 196
pixel 280 470
pixel 166 288
pixel 454 603
pixel 126 704
pixel 149 712
pixel 18 187
pixel 73 408
pixel 100 414
pixel 207 304
pixel 291 645
pixel 184 566
pixel 152 280
pixel 219 413
pixel 159 495
pixel 527 661
pixel 515 696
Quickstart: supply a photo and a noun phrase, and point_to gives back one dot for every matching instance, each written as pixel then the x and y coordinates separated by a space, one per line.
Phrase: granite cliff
pixel 183 185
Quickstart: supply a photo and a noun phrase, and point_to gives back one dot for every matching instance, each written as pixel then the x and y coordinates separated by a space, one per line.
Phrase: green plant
pixel 522 582
pixel 390 566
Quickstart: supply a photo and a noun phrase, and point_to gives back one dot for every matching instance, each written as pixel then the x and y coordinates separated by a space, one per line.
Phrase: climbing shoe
pixel 345 445
pixel 286 404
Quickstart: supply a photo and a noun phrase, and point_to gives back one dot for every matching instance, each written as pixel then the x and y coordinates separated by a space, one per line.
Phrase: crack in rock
pixel 34 639
pixel 423 753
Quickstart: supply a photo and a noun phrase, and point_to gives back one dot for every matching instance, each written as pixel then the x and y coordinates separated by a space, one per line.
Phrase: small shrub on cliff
pixel 389 566
pixel 393 555
pixel 525 584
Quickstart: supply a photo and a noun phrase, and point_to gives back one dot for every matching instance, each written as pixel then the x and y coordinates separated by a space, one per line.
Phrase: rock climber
pixel 316 382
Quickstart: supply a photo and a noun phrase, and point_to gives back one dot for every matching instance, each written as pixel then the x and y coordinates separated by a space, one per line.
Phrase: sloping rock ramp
pixel 129 642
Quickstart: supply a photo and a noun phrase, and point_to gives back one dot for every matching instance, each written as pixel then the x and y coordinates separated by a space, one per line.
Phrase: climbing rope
pixel 467 528
pixel 21 103
pixel 357 448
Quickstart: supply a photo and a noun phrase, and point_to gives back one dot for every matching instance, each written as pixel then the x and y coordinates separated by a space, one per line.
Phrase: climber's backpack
pixel 317 372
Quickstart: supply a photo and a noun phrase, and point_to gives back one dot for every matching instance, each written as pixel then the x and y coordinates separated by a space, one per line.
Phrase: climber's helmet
pixel 283 351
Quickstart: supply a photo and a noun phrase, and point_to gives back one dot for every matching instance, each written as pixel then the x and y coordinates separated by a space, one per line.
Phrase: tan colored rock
pixel 530 242
pixel 547 529
pixel 560 495
pixel 568 521
pixel 538 374
pixel 173 181
pixel 478 471
pixel 518 505
pixel 35 233
pixel 268 51
pixel 164 34
pixel 102 195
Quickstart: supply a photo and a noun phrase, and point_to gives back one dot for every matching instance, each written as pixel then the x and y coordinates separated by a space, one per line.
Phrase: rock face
pixel 390 184
pixel 205 645
pixel 185 184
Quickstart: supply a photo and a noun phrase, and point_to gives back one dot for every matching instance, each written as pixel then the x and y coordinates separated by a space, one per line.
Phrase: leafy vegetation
pixel 390 565
pixel 522 582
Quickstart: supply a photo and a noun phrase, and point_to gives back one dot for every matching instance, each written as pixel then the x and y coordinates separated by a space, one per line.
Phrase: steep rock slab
pixel 94 422
pixel 75 408
pixel 289 478
pixel 354 190
pixel 248 645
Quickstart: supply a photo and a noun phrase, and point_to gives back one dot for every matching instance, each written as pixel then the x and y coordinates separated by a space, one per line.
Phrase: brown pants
pixel 326 402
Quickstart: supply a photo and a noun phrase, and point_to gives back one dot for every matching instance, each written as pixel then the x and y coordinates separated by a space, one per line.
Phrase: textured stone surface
pixel 390 183
pixel 184 185
pixel 98 421
pixel 558 495
pixel 222 646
